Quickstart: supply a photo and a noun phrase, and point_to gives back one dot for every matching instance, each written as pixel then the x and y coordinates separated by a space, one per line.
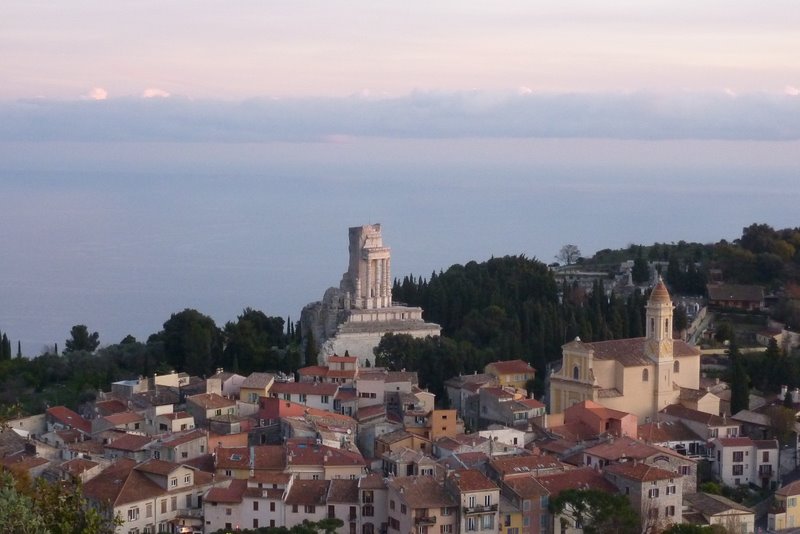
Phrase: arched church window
pixel 652 326
pixel 576 373
pixel 666 326
pixel 645 375
pixel 676 367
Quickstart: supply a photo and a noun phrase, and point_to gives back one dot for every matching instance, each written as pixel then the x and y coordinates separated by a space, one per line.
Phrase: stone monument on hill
pixel 354 316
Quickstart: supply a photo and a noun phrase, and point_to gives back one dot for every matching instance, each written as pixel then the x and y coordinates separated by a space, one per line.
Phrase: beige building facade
pixel 639 375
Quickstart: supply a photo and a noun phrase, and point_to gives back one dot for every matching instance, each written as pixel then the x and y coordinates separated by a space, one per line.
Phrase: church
pixel 639 375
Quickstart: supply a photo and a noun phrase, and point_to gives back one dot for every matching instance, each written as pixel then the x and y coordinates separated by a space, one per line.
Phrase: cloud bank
pixel 639 115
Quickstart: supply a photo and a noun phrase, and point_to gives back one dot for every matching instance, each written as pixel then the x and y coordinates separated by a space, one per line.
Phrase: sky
pixel 162 155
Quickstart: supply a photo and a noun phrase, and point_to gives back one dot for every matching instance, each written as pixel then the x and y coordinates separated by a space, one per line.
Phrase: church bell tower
pixel 658 343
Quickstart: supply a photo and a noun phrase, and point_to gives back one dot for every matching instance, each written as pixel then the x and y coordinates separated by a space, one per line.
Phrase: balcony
pixel 422 520
pixel 470 510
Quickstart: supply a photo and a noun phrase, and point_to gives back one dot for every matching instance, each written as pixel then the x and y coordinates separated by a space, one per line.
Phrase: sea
pixel 120 235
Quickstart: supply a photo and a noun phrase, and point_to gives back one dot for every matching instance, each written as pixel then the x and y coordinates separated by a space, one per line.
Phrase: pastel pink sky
pixel 236 50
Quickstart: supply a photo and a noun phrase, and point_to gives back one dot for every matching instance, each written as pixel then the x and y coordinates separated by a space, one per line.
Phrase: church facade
pixel 638 375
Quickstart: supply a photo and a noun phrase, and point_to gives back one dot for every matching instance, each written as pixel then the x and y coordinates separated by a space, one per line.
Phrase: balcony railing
pixel 468 510
pixel 425 520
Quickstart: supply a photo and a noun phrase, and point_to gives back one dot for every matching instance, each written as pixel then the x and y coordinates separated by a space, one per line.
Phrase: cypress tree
pixel 740 386
pixel 19 349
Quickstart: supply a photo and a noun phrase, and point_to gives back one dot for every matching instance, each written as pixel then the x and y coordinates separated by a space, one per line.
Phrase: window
pixel 738 456
pixel 472 501
pixel 671 490
pixel 446 511
pixel 287 396
pixel 653 493
pixel 645 375
pixel 676 367
pixel 792 502
pixel 187 479
pixel 255 506
pixel 738 469
pixel 315 477
pixel 309 509
pixel 487 500
pixel 391 505
pixel 189 501
pixel 544 501
pixel 184 454
pixel 368 510
pixel 403 508
pixel 576 373
pixel 472 524
pixel 765 456
pixel 228 511
pixel 686 470
pixel 487 522
pixel 163 506
pixel 255 523
pixel 148 510
pixel 218 411
pixel 271 506
pixel 445 529
pixel 173 503
pixel 228 472
pixel 133 514
pixel 173 482
pixel 324 399
pixel 669 511
pixel 294 508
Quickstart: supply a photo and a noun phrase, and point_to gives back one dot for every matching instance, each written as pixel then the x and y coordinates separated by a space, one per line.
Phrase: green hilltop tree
pixel 81 339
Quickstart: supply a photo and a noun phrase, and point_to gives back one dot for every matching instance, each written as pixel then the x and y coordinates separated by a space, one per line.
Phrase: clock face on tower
pixel 659 347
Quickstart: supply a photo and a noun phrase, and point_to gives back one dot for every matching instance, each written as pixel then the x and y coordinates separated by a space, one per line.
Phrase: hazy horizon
pixel 118 236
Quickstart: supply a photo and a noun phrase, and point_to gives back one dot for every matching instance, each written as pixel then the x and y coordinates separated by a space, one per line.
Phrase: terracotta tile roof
pixel 67 417
pixel 258 381
pixel 630 352
pixel 660 293
pixel 467 480
pixel 77 466
pixel 622 448
pixel 640 472
pixel 402 376
pixel 70 435
pixel 124 418
pixel 130 443
pixel 271 477
pixel 346 395
pixel 343 491
pixel 470 460
pixel 176 415
pixel 342 373
pixel 107 486
pixel 422 492
pixel 108 407
pixel 371 482
pixel 307 452
pixel 531 403
pixel 665 431
pixel 308 388
pixel 203 463
pixel 498 392
pixel 736 442
pixel 231 493
pixel 526 487
pixel 509 367
pixel 766 443
pixel 157 467
pixel 22 461
pixel 308 492
pixel 583 478
pixel 575 431
pixel 368 412
pixel 394 436
pixel 558 446
pixel 789 490
pixel 519 465
pixel 709 505
pixel 313 370
pixel 184 437
pixel 729 292
pixel 681 412
pixel 211 401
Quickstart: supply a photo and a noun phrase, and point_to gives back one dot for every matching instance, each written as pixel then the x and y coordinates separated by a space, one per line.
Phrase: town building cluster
pixel 367 445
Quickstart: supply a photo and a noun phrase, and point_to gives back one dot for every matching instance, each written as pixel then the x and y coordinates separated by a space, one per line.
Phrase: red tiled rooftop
pixel 508 367
pixel 307 388
pixel 640 472
pixel 67 417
